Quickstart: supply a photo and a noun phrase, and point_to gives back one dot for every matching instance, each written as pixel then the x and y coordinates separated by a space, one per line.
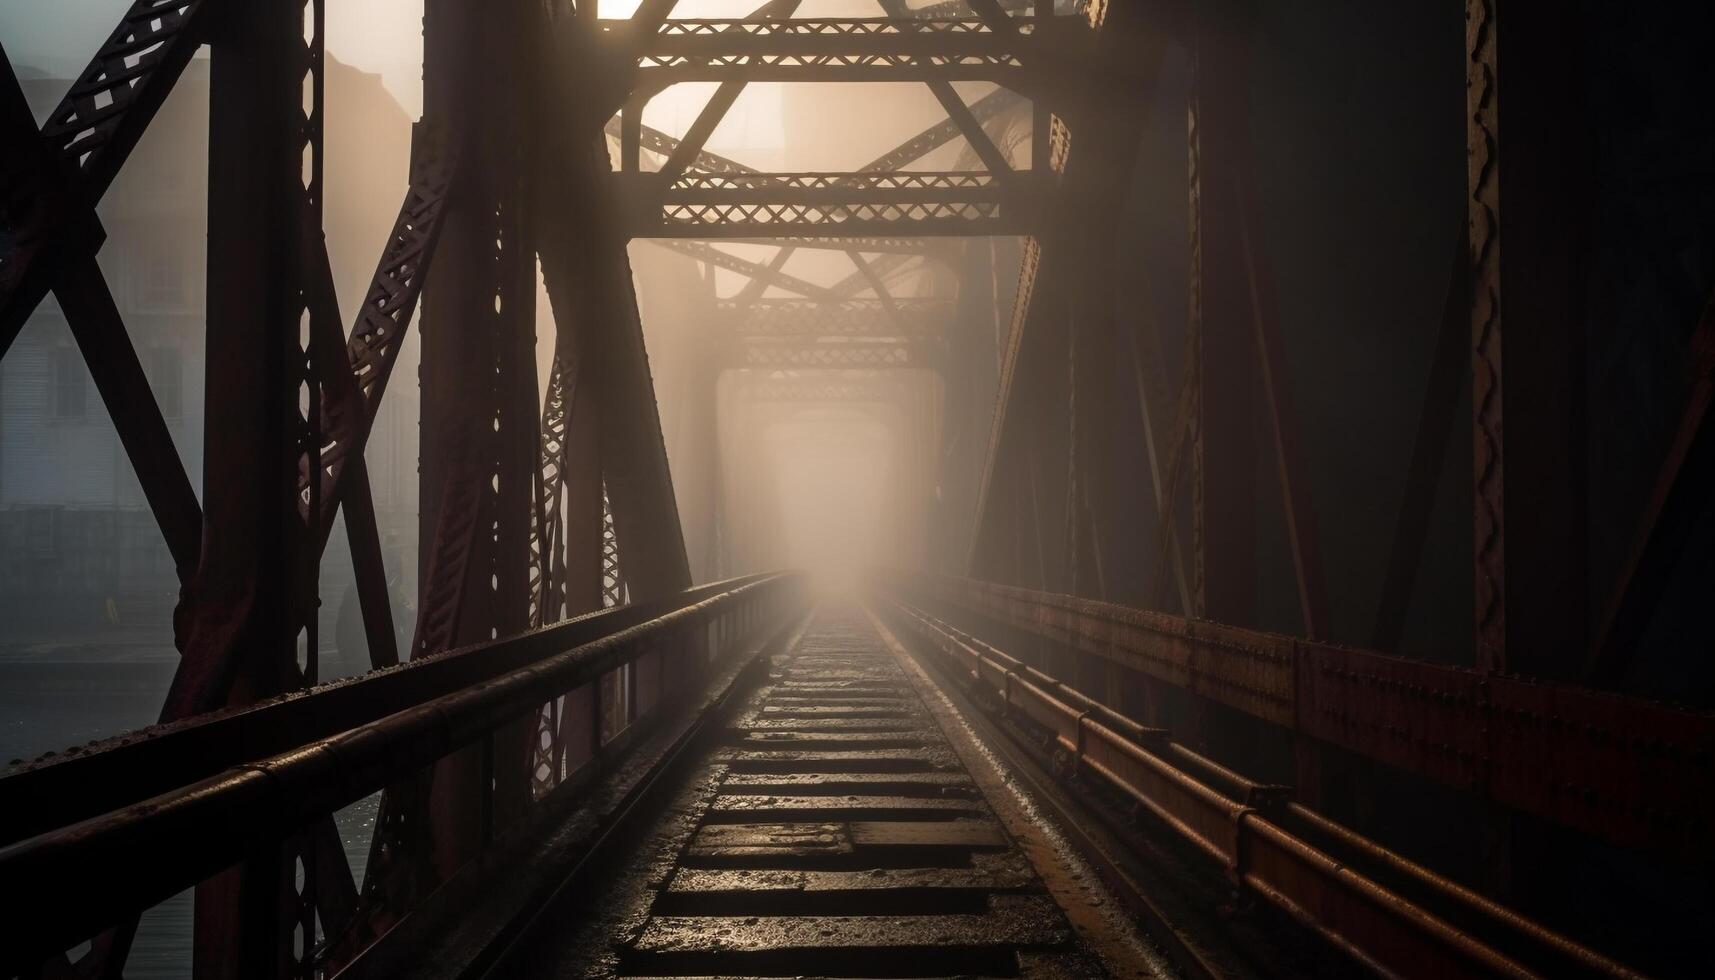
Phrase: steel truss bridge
pixel 572 650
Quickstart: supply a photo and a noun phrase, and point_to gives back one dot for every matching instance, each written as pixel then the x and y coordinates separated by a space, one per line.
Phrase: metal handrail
pixel 82 783
pixel 1624 770
pixel 1379 927
pixel 155 848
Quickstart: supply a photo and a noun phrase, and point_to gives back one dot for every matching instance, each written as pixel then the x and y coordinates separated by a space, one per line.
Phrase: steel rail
pixel 1239 823
pixel 1627 771
pixel 61 789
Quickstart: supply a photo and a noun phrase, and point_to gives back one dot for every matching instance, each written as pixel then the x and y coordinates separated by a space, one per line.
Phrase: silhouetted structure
pixel 1241 595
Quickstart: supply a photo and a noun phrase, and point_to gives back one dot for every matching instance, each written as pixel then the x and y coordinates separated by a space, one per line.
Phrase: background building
pixel 79 549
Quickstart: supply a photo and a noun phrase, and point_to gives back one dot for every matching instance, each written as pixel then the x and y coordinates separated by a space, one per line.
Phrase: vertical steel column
pixel 586 255
pixel 705 485
pixel 1531 487
pixel 456 372
pixel 1527 184
pixel 1428 451
pixel 634 457
pixel 697 481
pixel 1224 452
pixel 1109 459
pixel 479 424
pixel 1221 348
pixel 235 621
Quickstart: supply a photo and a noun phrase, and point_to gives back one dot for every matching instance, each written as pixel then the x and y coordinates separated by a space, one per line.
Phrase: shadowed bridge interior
pixel 856 488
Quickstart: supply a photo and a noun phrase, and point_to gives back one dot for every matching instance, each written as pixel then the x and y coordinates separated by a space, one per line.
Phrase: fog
pixel 827 469
pixel 830 469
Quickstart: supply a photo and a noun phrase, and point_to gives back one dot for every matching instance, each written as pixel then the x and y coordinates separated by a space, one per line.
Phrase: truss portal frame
pixel 862 49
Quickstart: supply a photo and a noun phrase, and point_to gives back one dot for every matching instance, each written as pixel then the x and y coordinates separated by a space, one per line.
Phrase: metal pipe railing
pixel 1244 831
pixel 81 783
pixel 1623 770
pixel 152 849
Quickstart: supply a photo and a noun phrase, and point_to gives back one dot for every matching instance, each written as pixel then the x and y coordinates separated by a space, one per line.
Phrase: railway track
pixel 846 825
pixel 799 792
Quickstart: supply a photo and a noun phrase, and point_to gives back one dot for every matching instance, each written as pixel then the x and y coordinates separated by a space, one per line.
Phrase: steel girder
pixel 896 255
pixel 929 248
pixel 811 204
pixel 704 252
pixel 53 179
pixel 955 8
pixel 846 318
pixel 784 353
pixel 589 283
pixel 1527 367
pixel 480 448
pixel 850 50
pixel 278 472
pixel 1036 517
pixel 1447 374
pixel 771 387
pixel 162 809
pixel 250 591
pixel 1624 770
pixel 1675 504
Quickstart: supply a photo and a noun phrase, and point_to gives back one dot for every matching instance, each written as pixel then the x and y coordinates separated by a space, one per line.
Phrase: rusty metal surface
pixel 1428 450
pixel 1244 831
pixel 1484 191
pixel 380 325
pixel 837 355
pixel 1631 772
pixel 852 49
pixel 850 318
pixel 269 797
pixel 836 204
pixel 1672 510
pixel 86 782
pixel 84 143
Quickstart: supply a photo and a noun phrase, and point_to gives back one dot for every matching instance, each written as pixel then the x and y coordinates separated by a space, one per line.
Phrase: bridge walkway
pixel 846 824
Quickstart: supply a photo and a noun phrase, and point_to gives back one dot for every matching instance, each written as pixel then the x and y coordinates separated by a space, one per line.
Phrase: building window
pixel 71 384
pixel 167 377
pixel 163 280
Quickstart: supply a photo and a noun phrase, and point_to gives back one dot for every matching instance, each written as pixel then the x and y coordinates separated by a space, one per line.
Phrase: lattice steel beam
pixel 755 270
pixel 934 248
pixel 856 49
pixel 895 250
pixel 842 355
pixel 378 333
pixel 851 318
pixel 882 268
pixel 86 140
pixel 746 205
pixel 930 139
pixel 655 141
pixel 956 8
pixel 875 389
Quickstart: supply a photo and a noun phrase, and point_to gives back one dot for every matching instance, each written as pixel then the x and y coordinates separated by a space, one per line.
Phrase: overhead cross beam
pixel 815 353
pixel 852 317
pixel 959 203
pixel 865 49
pixel 700 193
pixel 721 259
pixel 958 113
pixel 875 388
pixel 689 148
